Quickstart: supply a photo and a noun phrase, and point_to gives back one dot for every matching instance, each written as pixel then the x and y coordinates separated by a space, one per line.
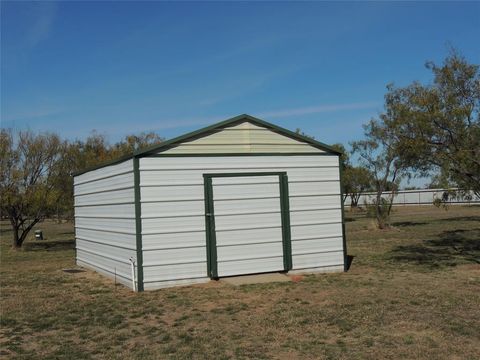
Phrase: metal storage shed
pixel 239 197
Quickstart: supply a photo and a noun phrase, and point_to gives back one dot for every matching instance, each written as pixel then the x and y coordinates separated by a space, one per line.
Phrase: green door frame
pixel 212 263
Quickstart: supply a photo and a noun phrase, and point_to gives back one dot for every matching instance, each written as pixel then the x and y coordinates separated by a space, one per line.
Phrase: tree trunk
pixel 378 210
pixel 354 198
pixel 382 221
pixel 19 238
pixel 17 243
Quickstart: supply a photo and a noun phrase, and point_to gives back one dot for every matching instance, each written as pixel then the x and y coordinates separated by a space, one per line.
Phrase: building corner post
pixel 138 222
pixel 344 238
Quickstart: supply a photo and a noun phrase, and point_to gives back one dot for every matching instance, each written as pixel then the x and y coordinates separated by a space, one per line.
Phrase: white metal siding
pixel 105 220
pixel 173 212
pixel 255 253
pixel 243 138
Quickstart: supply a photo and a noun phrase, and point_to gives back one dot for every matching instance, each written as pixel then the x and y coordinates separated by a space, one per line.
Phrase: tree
pixel 344 157
pixel 378 153
pixel 132 143
pixel 344 165
pixel 29 174
pixel 80 155
pixel 300 132
pixel 437 126
pixel 356 179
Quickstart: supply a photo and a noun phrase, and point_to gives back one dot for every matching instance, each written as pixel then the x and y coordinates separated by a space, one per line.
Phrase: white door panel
pixel 248 230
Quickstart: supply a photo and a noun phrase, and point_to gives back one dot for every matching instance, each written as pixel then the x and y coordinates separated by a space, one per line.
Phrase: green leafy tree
pixel 356 179
pixel 378 153
pixel 345 157
pixel 29 174
pixel 344 164
pixel 437 126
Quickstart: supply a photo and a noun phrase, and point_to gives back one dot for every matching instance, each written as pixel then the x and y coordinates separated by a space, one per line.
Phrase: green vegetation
pixel 431 129
pixel 411 292
pixel 36 173
pixel 30 179
pixel 436 127
pixel 425 130
pixel 355 179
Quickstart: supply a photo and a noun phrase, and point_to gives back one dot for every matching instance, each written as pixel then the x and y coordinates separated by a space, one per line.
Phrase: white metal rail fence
pixel 422 197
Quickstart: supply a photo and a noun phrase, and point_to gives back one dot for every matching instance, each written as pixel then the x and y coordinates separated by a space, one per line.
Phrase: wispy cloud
pixel 169 123
pixel 42 24
pixel 37 19
pixel 120 129
pixel 316 109
pixel 249 82
pixel 33 114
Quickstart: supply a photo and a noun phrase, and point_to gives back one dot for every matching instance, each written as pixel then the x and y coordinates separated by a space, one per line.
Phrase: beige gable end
pixel 243 138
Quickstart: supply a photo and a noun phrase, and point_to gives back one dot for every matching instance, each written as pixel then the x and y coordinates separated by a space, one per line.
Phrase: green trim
pixel 210 129
pixel 212 263
pixel 212 175
pixel 75 233
pixel 344 240
pixel 207 226
pixel 237 154
pixel 286 235
pixel 138 223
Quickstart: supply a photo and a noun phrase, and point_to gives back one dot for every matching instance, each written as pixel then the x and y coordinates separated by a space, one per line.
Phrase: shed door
pixel 246 217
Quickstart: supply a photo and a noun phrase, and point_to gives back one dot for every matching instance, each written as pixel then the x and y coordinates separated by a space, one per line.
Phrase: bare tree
pixel 28 177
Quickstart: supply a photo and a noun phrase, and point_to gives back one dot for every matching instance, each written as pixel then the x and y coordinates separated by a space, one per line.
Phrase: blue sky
pixel 127 67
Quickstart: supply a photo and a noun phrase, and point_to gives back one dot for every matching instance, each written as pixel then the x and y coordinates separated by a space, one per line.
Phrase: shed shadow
pixel 450 248
pixel 349 261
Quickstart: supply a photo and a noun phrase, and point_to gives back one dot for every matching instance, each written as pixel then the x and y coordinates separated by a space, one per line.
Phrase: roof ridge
pixel 219 125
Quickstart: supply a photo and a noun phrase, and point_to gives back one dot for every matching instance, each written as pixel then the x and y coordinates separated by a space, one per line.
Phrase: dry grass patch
pixel 413 292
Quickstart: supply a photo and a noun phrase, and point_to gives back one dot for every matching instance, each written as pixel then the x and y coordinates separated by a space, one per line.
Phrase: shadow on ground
pixel 408 223
pixel 349 261
pixel 458 218
pixel 462 218
pixel 448 249
pixel 49 245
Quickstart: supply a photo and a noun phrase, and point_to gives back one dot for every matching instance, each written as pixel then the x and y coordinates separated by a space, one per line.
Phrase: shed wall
pixel 173 212
pixel 105 220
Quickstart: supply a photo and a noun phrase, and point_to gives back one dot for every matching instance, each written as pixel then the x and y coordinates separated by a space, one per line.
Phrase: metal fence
pixel 422 197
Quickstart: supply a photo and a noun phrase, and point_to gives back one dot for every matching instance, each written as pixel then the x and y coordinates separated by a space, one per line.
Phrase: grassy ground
pixel 411 292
